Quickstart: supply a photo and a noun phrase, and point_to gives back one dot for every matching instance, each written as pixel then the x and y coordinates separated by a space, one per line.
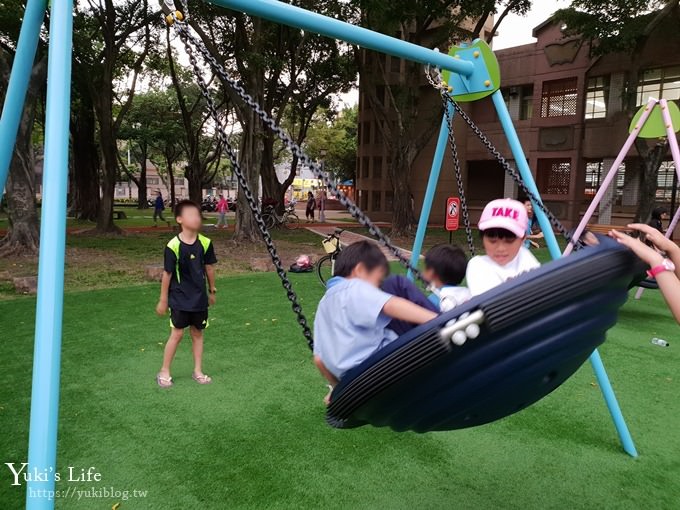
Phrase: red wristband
pixel 666 265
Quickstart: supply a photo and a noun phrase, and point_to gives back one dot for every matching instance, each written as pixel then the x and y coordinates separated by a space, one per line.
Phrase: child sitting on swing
pixel 503 227
pixel 360 313
pixel 445 267
pixel 353 316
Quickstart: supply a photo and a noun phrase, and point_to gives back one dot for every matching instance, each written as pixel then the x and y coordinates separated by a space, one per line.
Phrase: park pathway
pixel 348 238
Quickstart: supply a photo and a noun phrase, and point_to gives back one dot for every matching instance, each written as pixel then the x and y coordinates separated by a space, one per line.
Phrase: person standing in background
pixel 322 205
pixel 659 215
pixel 311 205
pixel 222 208
pixel 533 228
pixel 158 208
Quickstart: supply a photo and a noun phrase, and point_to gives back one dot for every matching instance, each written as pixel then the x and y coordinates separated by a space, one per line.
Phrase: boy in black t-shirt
pixel 189 259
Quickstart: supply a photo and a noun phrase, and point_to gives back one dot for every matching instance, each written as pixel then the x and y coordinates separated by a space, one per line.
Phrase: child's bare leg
pixel 170 350
pixel 197 347
pixel 332 380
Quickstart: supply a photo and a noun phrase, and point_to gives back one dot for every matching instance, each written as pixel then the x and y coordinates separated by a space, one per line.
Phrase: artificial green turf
pixel 256 438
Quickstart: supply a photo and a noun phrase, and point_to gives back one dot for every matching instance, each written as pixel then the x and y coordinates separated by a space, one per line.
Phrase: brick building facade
pixel 568 110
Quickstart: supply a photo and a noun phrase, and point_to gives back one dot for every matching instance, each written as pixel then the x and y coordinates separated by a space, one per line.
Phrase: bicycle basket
pixel 330 244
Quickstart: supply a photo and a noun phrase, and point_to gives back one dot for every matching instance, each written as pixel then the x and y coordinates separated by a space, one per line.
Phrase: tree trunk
pixel 193 173
pixel 195 182
pixel 402 130
pixel 110 173
pixel 85 174
pixel 141 184
pixel 109 159
pixel 651 161
pixel 403 216
pixel 250 163
pixel 171 178
pixel 271 187
pixel 23 236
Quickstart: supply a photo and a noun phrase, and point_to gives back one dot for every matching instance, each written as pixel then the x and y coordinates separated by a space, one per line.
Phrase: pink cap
pixel 505 213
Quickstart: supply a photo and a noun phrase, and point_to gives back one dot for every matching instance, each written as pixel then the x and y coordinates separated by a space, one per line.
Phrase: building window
pixel 526 98
pixel 659 84
pixel 389 201
pixel 507 97
pixel 664 191
pixel 596 97
pixel 366 133
pixel 519 101
pixel 363 199
pixel 375 201
pixel 377 167
pixel 380 94
pixel 485 180
pixel 152 180
pixel 364 167
pixel 595 174
pixel 554 176
pixel 559 98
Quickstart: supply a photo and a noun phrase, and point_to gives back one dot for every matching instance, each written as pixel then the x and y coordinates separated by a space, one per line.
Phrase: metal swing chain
pixel 252 202
pixel 351 207
pixel 459 180
pixel 435 78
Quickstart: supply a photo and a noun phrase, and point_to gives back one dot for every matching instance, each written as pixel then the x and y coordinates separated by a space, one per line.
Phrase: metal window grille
pixel 559 98
pixel 554 176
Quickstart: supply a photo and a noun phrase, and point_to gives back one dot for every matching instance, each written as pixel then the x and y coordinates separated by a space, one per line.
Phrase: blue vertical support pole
pixel 437 161
pixel 22 66
pixel 555 252
pixel 525 171
pixel 42 442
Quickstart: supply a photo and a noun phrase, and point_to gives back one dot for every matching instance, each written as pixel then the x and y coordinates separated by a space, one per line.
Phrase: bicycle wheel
pixel 291 220
pixel 324 268
pixel 269 221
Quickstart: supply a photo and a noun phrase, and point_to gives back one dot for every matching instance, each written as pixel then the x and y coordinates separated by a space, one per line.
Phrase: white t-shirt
pixel 449 297
pixel 484 274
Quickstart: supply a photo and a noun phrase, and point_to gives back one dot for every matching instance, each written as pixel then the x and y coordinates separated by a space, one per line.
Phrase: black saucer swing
pixel 492 357
pixel 534 333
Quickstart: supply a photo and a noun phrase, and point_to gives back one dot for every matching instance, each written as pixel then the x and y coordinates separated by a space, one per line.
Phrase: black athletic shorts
pixel 182 320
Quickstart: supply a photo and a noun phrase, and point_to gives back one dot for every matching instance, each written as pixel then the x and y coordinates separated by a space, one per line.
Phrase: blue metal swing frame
pixel 42 450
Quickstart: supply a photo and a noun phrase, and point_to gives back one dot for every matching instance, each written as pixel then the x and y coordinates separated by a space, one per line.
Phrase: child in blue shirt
pixel 445 267
pixel 353 318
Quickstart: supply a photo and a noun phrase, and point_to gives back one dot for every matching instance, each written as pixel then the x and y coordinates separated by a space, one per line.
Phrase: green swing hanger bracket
pixel 485 79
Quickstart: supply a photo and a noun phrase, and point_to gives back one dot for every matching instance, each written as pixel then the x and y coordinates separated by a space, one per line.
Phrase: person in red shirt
pixel 222 208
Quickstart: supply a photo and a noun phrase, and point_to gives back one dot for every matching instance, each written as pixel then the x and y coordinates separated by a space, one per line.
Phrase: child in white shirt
pixel 503 227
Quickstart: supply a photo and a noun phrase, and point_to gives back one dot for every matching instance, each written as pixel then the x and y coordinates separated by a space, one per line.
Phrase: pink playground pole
pixel 675 151
pixel 674 221
pixel 610 176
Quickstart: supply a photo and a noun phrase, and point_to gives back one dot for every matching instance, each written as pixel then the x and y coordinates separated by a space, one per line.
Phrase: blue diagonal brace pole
pixel 555 252
pixel 42 441
pixel 17 87
pixel 435 171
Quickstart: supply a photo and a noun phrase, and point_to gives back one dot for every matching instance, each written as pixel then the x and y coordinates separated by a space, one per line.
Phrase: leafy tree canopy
pixel 615 25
